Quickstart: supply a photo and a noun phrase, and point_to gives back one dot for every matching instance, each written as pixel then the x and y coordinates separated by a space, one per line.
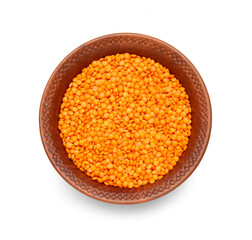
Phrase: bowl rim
pixel 192 169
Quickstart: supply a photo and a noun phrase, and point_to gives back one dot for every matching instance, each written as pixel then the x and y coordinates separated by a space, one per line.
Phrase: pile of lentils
pixel 125 120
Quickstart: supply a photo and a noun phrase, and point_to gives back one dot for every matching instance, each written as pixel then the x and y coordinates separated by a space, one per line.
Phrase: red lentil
pixel 125 120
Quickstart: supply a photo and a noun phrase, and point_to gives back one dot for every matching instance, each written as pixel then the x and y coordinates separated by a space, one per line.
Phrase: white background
pixel 214 203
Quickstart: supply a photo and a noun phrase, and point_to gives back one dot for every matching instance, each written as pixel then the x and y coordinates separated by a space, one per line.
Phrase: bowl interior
pixel 143 46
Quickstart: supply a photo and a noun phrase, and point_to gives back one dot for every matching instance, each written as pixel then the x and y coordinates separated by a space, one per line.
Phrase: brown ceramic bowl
pixel 141 45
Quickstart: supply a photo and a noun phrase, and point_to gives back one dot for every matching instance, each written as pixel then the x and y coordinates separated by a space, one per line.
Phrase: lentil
pixel 125 120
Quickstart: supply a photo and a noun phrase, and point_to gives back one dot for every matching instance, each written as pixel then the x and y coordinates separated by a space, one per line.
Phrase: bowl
pixel 141 45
